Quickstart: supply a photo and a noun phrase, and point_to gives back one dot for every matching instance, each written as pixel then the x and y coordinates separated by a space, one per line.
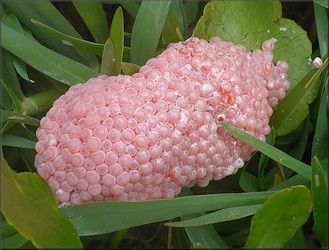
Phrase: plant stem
pixel 39 102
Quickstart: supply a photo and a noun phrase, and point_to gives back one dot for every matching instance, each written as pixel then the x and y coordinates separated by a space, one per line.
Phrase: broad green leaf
pixel 18 118
pixel 226 214
pixel 250 23
pixel 272 152
pixel 45 12
pixel 320 202
pixel 297 241
pixel 17 141
pixel 105 217
pixel 84 45
pixel 29 206
pixel 279 218
pixel 321 20
pixel 117 38
pixel 93 15
pixel 147 29
pixel 293 109
pixel 108 61
pixel 50 63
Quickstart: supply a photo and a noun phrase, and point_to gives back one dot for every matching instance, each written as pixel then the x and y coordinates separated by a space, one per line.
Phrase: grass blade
pixel 321 20
pixel 117 38
pixel 16 141
pixel 205 237
pixel 105 217
pixel 18 118
pixel 320 201
pixel 272 152
pixel 93 15
pixel 147 30
pixel 13 242
pixel 50 63
pixel 226 214
pixel 45 12
pixel 320 140
pixel 323 3
pixel 108 62
pixel 9 79
pixel 84 45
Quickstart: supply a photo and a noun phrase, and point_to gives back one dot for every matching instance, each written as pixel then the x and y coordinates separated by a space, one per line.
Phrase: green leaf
pixel 323 3
pixel 191 10
pixel 204 237
pixel 29 206
pixel 45 12
pixel 320 140
pixel 9 79
pixel 226 214
pixel 272 152
pixel 248 182
pixel 171 31
pixel 279 218
pixel 129 68
pixel 11 21
pixel 17 141
pixel 108 62
pixel 293 109
pixel 94 17
pixel 321 20
pixel 320 201
pixel 263 161
pixel 50 63
pixel 147 30
pixel 250 23
pixel 179 12
pixel 13 242
pixel 18 118
pixel 94 48
pixel 20 67
pixel 117 38
pixel 105 217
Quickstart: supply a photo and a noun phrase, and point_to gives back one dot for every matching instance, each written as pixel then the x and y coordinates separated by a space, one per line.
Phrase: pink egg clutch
pixel 145 136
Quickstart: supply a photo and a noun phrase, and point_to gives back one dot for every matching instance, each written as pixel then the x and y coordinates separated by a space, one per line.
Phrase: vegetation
pixel 279 199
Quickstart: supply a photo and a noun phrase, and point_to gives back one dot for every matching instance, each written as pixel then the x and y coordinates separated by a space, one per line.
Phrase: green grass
pixel 49 46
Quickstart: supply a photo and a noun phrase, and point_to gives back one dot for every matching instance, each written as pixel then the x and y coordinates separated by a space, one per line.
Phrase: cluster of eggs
pixel 148 135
